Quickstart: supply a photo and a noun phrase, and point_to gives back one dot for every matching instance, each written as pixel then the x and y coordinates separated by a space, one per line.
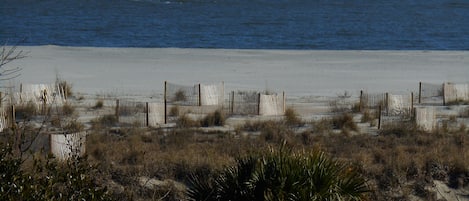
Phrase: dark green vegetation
pixel 281 174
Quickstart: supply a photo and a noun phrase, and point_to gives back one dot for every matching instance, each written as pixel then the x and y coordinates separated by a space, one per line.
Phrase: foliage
pixel 179 96
pixel 291 117
pixel 344 121
pixel 282 175
pixel 214 119
pixel 99 104
pixel 48 179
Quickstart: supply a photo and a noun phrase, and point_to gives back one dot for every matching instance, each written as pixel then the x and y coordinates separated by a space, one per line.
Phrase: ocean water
pixel 240 24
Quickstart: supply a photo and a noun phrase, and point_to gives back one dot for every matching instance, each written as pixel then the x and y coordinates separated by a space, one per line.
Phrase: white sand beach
pixel 299 73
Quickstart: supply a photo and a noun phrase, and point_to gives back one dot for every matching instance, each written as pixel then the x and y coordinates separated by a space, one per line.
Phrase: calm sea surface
pixel 253 24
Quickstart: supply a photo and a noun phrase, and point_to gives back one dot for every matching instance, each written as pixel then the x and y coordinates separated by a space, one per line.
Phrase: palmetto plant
pixel 282 175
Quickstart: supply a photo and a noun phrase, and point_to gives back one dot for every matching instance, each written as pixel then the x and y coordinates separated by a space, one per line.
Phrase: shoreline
pixel 300 73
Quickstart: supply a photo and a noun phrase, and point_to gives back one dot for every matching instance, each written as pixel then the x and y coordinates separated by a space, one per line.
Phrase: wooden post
pixel 165 104
pixel 284 102
pixel 387 103
pixel 232 102
pixel 379 117
pixel 411 103
pixel 444 101
pixel 200 97
pixel 420 92
pixel 147 115
pixel 259 104
pixel 1 99
pixel 360 101
pixel 117 109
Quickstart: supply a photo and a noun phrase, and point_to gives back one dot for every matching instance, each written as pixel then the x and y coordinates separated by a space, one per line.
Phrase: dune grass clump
pixel 282 175
pixel 291 117
pixel 99 104
pixel 344 122
pixel 26 111
pixel 214 119
pixel 184 121
pixel 68 109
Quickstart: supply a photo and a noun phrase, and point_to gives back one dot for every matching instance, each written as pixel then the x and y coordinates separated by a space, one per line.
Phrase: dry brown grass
pixel 396 163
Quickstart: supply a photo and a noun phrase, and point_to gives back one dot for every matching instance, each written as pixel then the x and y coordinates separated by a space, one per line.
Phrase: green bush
pixel 281 175
pixel 48 179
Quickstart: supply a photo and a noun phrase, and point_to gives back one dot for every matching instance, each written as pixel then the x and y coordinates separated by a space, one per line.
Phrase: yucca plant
pixel 282 175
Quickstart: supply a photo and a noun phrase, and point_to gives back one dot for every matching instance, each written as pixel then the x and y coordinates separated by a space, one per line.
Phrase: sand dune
pixel 298 73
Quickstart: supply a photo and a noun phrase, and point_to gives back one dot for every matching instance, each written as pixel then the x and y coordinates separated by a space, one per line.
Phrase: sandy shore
pixel 299 73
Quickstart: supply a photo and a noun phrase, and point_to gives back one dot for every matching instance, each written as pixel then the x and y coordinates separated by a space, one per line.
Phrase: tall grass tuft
pixel 282 174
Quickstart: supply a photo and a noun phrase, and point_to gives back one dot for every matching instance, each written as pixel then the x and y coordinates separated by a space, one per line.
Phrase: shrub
pixel 174 111
pixel 344 121
pixel 291 117
pixel 106 120
pixel 368 116
pixel 179 96
pixel 26 111
pixel 186 122
pixel 282 175
pixel 99 104
pixel 68 109
pixel 48 179
pixel 214 119
pixel 74 126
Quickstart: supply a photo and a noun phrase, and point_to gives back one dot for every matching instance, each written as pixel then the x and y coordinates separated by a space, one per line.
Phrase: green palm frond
pixel 281 175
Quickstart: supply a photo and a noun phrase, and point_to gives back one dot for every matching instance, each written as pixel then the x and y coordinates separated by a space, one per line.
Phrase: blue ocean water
pixel 243 24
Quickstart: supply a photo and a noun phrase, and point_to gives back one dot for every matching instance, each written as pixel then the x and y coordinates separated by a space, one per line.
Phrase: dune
pixel 297 72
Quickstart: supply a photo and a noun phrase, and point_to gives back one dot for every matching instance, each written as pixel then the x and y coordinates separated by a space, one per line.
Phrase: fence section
pixel 455 92
pixel 255 103
pixel 244 103
pixel 140 113
pixel 271 105
pixel 182 94
pixel 399 105
pixel 40 94
pixel 430 94
pixel 212 94
pixel 425 118
pixel 372 100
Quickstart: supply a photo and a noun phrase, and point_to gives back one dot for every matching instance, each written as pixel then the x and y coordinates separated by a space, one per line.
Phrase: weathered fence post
pixel 200 96
pixel 420 92
pixel 147 115
pixel 411 103
pixel 284 104
pixel 259 104
pixel 117 110
pixel 386 100
pixel 444 97
pixel 165 104
pixel 232 102
pixel 379 117
pixel 360 101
